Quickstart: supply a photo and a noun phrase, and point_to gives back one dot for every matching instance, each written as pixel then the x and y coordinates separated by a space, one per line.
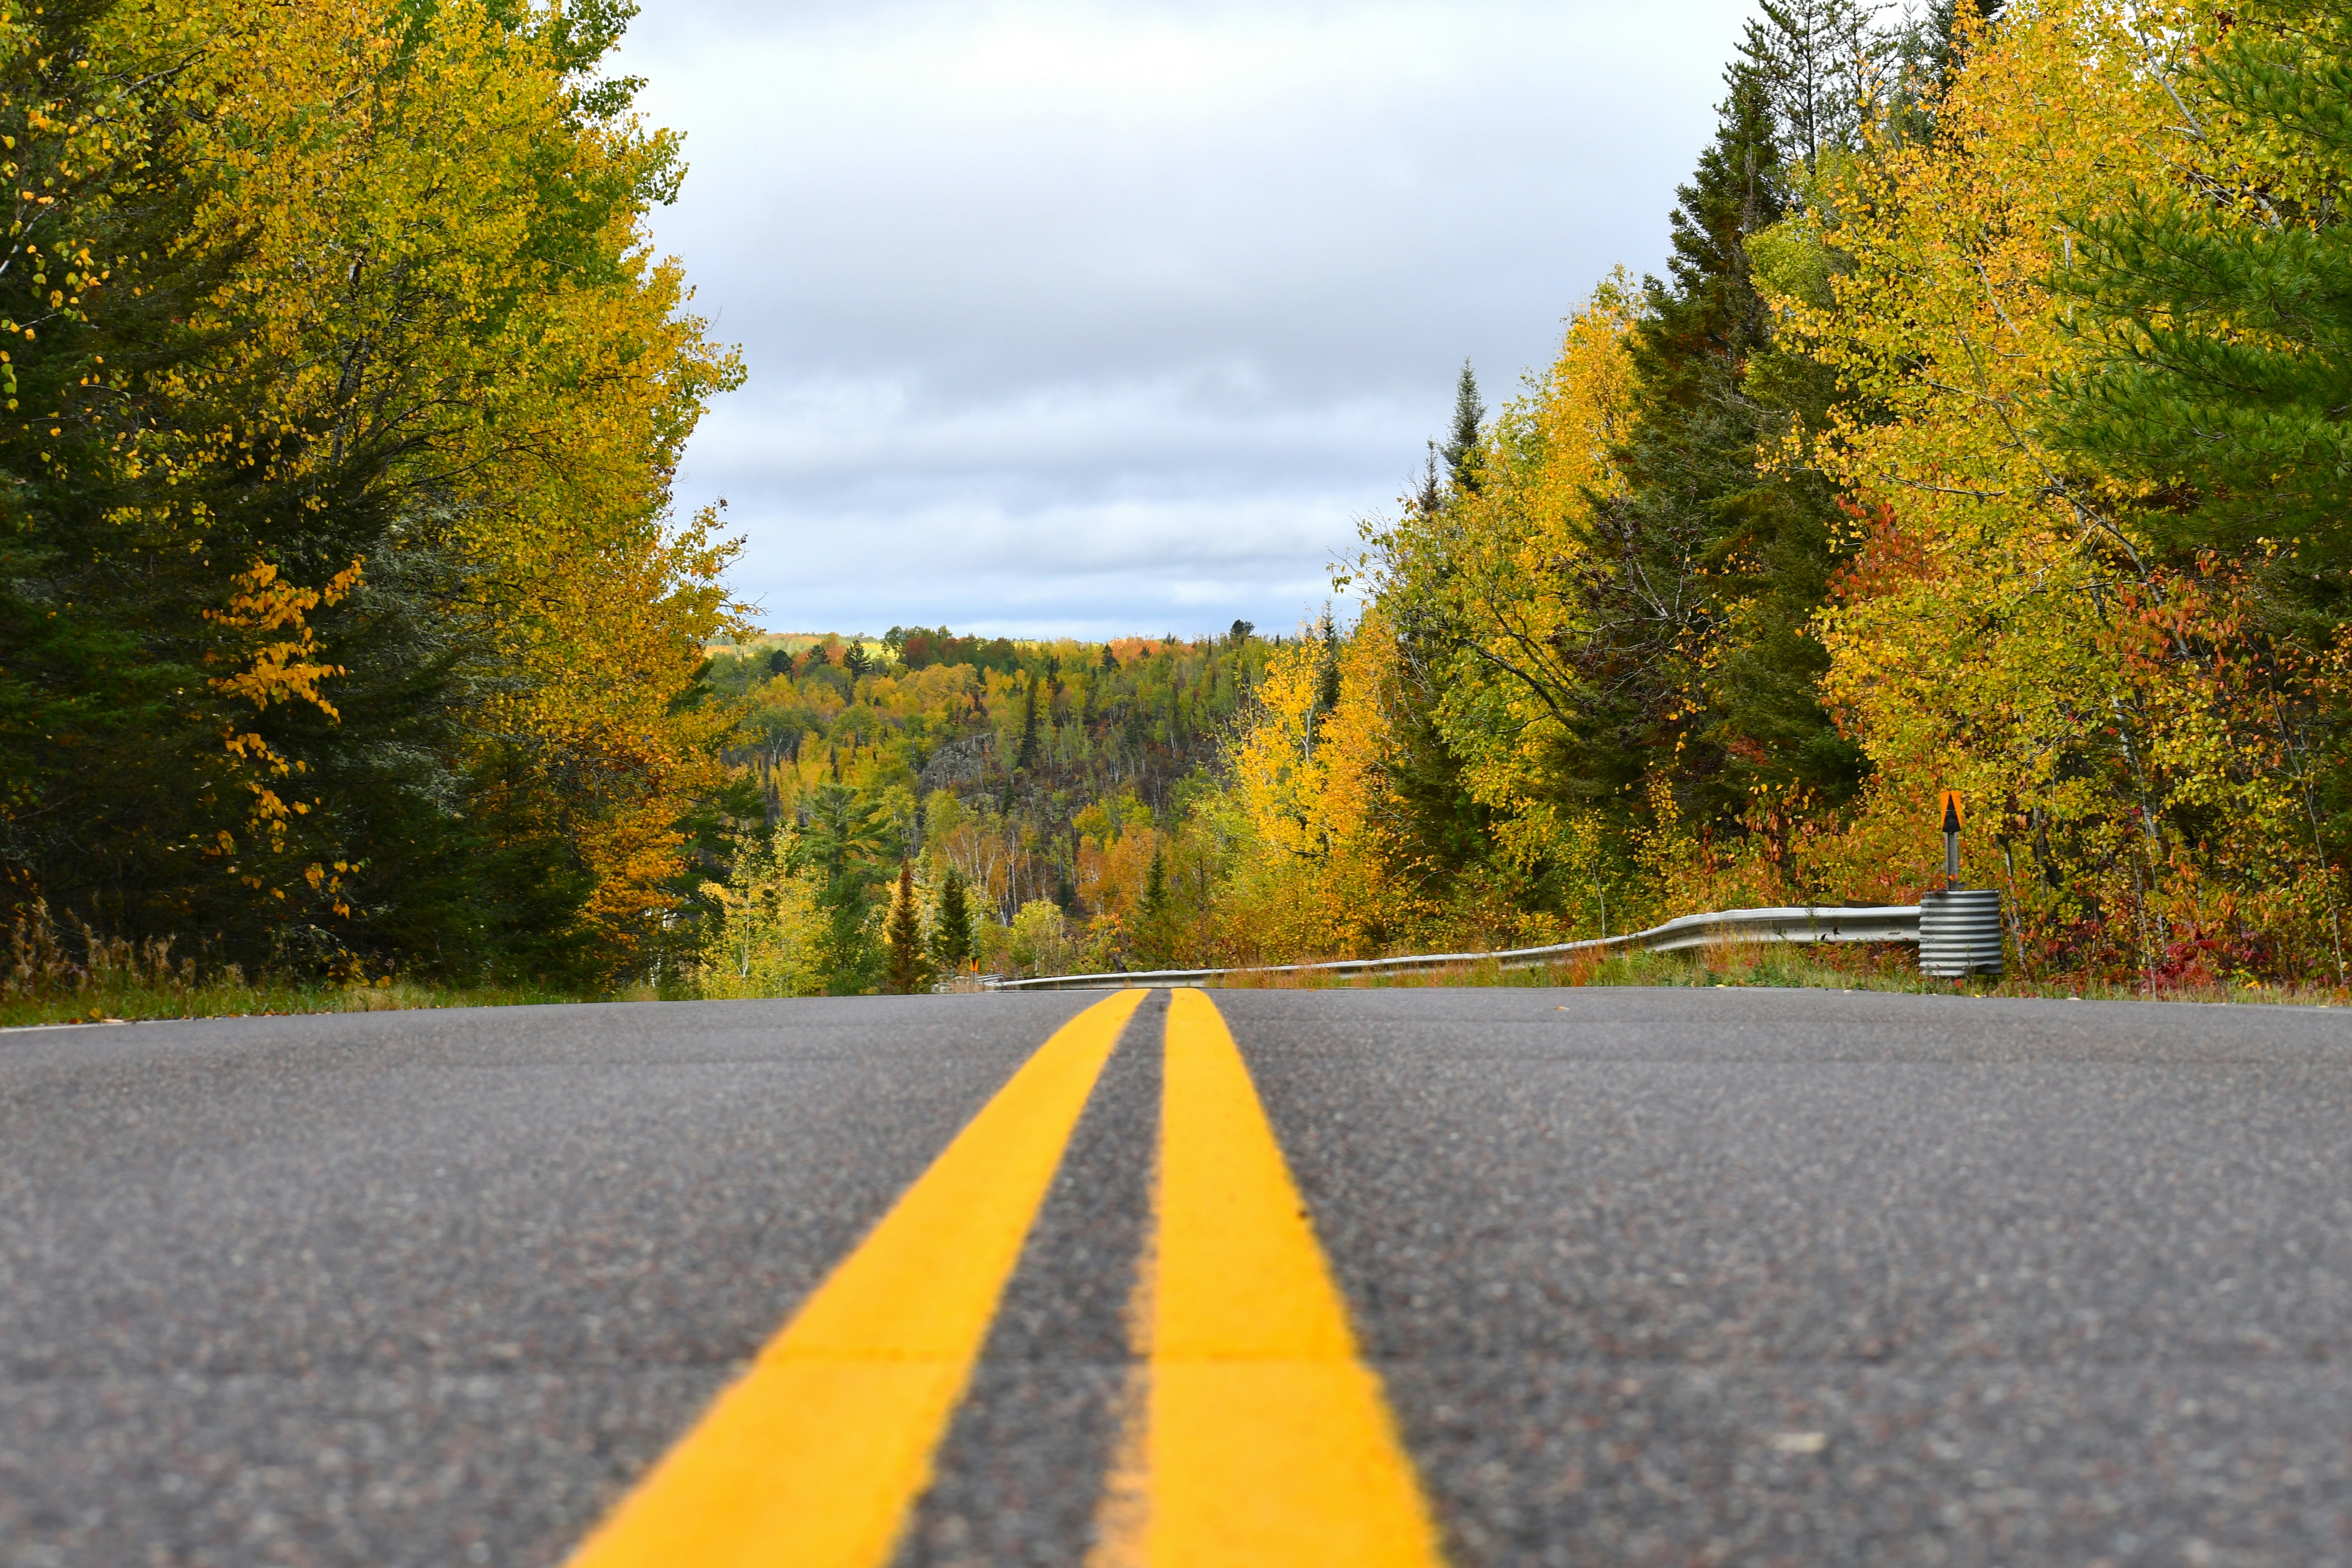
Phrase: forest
pixel 1988 431
pixel 1032 797
pixel 344 626
pixel 1985 431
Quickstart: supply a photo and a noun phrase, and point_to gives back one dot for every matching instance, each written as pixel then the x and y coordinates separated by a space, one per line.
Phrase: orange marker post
pixel 1951 839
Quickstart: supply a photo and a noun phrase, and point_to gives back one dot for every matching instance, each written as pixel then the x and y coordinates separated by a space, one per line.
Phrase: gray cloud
pixel 1094 318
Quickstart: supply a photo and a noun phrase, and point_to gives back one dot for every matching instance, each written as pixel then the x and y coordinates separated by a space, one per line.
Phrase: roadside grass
pixel 1855 967
pixel 133 999
pixel 54 976
pixel 129 1000
pixel 117 982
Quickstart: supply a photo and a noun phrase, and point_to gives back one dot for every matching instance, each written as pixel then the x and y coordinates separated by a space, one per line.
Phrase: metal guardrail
pixel 1892 922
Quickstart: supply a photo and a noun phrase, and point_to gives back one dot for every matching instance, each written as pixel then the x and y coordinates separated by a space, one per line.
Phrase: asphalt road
pixel 1650 1276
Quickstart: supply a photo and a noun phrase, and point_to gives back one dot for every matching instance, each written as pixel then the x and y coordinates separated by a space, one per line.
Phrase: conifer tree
pixel 907 971
pixel 1153 911
pixel 1327 663
pixel 1822 63
pixel 1693 448
pixel 844 843
pixel 952 928
pixel 1027 756
pixel 1155 885
pixel 2222 320
pixel 1461 448
pixel 1713 568
pixel 1945 28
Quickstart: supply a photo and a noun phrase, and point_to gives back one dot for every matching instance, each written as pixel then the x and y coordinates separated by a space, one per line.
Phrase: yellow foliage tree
pixel 770 935
pixel 1477 611
pixel 2005 628
pixel 396 366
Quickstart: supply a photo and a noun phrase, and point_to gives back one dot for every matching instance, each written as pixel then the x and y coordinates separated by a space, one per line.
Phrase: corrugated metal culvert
pixel 1960 933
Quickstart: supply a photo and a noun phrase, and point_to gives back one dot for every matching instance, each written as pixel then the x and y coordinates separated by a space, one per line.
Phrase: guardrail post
pixel 1960 933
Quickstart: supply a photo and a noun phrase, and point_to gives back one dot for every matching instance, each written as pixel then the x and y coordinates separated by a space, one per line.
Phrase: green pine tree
pixel 845 842
pixel 909 969
pixel 952 925
pixel 1026 757
pixel 1327 663
pixel 1461 448
pixel 1821 62
pixel 1706 667
pixel 1943 29
pixel 1155 914
pixel 2224 332
pixel 1155 886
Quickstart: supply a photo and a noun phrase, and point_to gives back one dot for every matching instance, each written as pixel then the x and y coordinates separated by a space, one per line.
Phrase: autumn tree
pixel 116 789
pixel 377 645
pixel 2014 623
pixel 1945 29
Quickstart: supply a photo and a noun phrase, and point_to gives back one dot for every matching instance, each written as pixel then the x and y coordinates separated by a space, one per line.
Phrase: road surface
pixel 1607 1276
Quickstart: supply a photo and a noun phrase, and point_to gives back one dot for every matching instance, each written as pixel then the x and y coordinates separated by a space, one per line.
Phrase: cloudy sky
pixel 1095 318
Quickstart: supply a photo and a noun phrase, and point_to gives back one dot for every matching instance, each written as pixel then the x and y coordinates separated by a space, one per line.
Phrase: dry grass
pixel 54 977
pixel 1858 966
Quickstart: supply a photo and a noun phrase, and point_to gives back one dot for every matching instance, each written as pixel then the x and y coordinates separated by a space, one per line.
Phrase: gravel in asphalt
pixel 427 1287
pixel 1654 1277
pixel 1795 1278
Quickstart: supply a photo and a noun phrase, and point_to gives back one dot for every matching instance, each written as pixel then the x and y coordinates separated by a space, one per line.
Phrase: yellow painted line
pixel 1270 1442
pixel 812 1459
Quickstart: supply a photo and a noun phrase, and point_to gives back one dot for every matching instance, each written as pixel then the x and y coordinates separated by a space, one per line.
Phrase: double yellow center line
pixel 1267 1440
